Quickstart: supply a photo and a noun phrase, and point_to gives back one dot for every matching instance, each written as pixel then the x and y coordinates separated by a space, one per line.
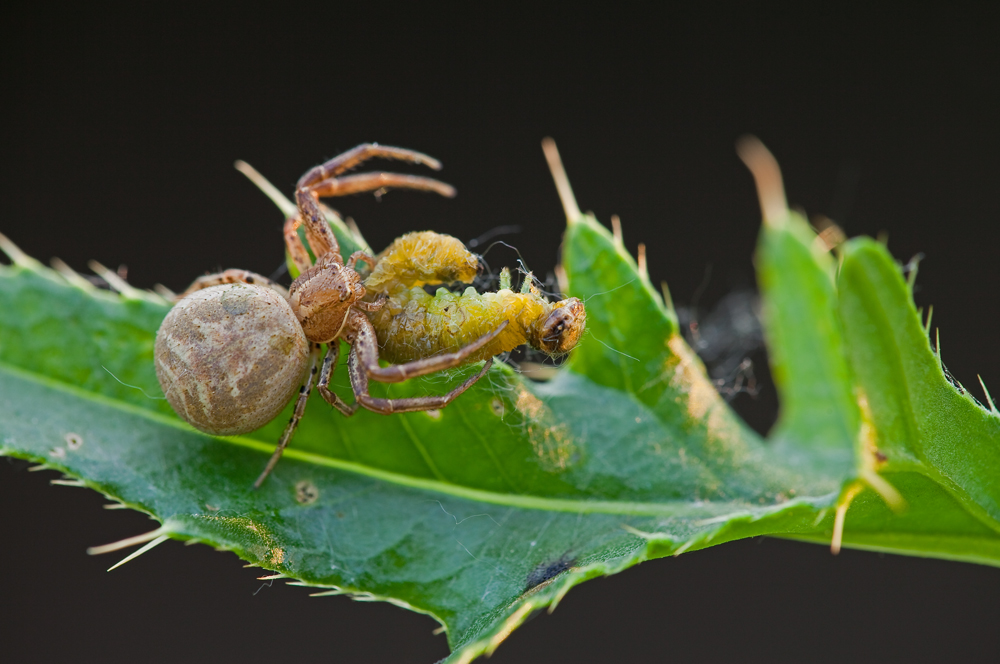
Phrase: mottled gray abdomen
pixel 230 357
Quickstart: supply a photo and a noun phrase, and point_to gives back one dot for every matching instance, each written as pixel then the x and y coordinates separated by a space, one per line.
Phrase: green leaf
pixel 497 505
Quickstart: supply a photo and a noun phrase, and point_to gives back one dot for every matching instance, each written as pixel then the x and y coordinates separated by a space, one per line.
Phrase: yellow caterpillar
pixel 414 324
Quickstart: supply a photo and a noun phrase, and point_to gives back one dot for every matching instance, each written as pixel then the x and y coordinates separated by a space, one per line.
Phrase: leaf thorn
pixel 989 399
pixel 883 488
pixel 509 625
pixel 116 282
pixel 642 533
pixel 767 175
pixel 562 181
pixel 70 482
pixel 71 275
pixel 616 229
pixel 668 301
pixel 16 256
pixel 165 293
pixel 127 542
pixel 138 552
pixel 334 591
pixel 841 515
pixel 684 547
pixel 286 206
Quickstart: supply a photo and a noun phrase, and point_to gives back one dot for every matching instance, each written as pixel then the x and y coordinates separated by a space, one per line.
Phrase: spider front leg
pixel 293 422
pixel 360 255
pixel 323 180
pixel 364 182
pixel 363 364
pixel 321 238
pixel 364 152
pixel 296 250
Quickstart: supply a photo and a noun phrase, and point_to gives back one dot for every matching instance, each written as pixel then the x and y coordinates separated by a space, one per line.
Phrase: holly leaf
pixel 495 507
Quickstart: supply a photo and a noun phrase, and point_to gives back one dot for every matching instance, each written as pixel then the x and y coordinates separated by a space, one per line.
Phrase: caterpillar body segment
pixel 413 324
pixel 422 258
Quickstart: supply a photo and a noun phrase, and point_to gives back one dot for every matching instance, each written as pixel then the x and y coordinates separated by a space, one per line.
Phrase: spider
pixel 236 347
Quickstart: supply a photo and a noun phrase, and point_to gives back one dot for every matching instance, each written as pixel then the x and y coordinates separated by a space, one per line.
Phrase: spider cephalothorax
pixel 230 354
pixel 322 297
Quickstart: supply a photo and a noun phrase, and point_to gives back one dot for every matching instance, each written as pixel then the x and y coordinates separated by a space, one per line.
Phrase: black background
pixel 119 132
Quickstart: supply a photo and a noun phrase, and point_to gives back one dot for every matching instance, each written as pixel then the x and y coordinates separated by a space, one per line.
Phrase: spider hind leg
pixel 293 422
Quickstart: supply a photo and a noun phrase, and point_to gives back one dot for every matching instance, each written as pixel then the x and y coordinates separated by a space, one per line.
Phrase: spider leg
pixel 371 306
pixel 361 153
pixel 322 181
pixel 365 346
pixel 361 255
pixel 294 245
pixel 232 277
pixel 329 364
pixel 321 238
pixel 299 410
pixel 362 182
pixel 359 383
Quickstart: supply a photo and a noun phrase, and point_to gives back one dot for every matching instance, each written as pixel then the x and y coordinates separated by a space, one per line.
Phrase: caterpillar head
pixel 560 331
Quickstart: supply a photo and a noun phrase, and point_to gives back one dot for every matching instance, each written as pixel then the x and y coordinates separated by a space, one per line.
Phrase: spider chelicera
pixel 236 347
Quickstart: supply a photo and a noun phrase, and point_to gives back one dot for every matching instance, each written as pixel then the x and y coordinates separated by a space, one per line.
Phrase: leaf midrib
pixel 575 506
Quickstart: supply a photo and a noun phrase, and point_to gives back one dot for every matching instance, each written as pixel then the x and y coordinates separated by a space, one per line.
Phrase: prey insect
pixel 237 348
pixel 413 324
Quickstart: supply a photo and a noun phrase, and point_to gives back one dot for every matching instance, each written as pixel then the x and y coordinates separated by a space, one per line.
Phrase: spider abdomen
pixel 230 357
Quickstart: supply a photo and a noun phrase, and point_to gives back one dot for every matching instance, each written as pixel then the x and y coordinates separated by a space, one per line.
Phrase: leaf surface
pixel 497 505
